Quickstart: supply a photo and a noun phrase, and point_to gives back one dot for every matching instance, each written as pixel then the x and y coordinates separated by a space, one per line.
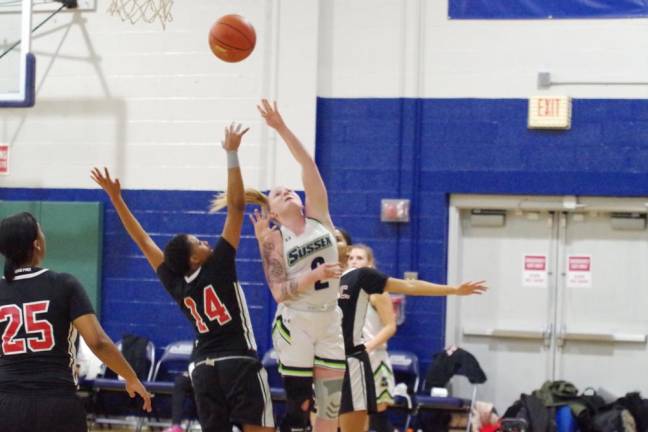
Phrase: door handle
pixel 503 333
pixel 547 335
pixel 565 336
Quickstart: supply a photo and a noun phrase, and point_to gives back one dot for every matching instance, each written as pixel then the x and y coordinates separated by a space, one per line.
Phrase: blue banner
pixel 544 9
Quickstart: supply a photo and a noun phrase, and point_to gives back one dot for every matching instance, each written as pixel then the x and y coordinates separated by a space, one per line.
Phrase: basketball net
pixel 142 10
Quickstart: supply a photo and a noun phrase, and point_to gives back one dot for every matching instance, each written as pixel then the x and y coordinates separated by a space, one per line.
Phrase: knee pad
pixel 328 393
pixel 299 400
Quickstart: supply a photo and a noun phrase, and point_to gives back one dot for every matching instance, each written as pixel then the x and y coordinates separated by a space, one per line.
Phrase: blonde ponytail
pixel 252 196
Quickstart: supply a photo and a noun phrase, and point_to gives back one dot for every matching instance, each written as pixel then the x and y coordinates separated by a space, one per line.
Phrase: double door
pixel 568 297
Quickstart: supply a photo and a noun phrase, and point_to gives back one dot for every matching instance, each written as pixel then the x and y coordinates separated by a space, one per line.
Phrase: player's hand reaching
pixel 270 114
pixel 136 387
pixel 233 136
pixel 470 288
pixel 110 186
pixel 261 221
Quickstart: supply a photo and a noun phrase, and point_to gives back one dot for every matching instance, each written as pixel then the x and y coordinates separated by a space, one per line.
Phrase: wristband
pixel 232 159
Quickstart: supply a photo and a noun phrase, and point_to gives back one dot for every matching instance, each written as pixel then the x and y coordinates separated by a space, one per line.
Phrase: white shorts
pixel 304 339
pixel 383 376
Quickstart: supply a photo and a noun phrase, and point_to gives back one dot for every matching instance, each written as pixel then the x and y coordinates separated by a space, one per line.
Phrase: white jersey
pixel 305 252
pixel 372 326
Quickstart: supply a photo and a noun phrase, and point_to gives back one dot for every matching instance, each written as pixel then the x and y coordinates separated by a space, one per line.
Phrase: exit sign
pixel 550 112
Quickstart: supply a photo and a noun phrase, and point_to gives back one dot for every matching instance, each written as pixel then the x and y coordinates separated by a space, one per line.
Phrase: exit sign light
pixel 550 112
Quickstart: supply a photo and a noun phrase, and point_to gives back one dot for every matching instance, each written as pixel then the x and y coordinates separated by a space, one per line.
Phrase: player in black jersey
pixel 379 326
pixel 230 385
pixel 356 285
pixel 41 312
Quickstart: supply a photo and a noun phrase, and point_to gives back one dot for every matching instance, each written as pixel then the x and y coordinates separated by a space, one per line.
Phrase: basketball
pixel 232 38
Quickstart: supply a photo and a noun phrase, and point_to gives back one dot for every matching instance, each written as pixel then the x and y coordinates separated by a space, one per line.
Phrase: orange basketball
pixel 232 38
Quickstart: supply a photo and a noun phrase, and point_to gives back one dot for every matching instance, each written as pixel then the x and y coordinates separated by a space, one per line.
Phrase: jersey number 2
pixel 318 261
pixel 27 315
pixel 213 308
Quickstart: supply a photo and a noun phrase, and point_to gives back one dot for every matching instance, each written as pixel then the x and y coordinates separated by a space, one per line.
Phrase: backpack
pixel 532 410
pixel 638 408
pixel 556 392
pixel 614 419
pixel 133 349
pixel 585 407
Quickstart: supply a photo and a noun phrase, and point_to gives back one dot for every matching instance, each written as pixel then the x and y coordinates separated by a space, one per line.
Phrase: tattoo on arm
pixel 267 247
pixel 289 289
pixel 275 272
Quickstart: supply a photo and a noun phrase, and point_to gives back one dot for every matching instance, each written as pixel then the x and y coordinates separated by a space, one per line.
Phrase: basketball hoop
pixel 142 10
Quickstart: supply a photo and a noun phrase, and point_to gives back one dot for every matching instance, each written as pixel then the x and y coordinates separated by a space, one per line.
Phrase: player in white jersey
pixel 300 261
pixel 379 326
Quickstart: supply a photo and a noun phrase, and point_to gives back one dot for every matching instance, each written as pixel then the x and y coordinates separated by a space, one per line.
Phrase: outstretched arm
pixel 235 190
pixel 146 244
pixel 104 348
pixel 383 305
pixel 271 248
pixel 423 288
pixel 316 195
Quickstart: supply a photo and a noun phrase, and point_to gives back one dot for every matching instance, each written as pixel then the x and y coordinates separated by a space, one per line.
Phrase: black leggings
pixel 181 390
pixel 298 391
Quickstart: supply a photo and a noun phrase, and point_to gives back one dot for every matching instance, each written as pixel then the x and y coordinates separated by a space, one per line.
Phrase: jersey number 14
pixel 213 308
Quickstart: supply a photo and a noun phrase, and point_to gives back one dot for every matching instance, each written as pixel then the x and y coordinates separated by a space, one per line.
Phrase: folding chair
pixel 426 402
pixel 173 362
pixel 112 403
pixel 475 375
pixel 405 365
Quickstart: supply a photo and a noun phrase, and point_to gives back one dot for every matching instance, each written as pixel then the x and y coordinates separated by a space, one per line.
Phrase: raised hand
pixel 110 186
pixel 261 221
pixel 233 136
pixel 470 288
pixel 270 114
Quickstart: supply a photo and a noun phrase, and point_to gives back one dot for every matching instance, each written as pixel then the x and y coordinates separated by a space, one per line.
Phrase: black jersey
pixel 38 339
pixel 212 299
pixel 356 285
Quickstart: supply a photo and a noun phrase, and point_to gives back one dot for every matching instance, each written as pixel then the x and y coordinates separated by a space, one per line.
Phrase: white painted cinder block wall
pixel 389 48
pixel 152 104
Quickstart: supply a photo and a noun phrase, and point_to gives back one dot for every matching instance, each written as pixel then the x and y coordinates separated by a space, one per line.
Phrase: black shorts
pixel 231 390
pixel 358 389
pixel 33 413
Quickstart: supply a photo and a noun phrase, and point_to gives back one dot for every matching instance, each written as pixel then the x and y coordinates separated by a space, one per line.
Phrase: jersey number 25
pixel 213 308
pixel 26 315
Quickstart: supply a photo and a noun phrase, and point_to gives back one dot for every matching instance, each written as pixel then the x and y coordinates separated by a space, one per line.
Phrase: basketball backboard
pixel 17 64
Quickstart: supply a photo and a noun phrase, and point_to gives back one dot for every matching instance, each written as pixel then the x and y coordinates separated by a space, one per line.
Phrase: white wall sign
pixel 579 271
pixel 549 112
pixel 534 274
pixel 4 159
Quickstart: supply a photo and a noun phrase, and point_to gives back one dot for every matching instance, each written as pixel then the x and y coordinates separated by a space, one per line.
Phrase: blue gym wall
pixel 133 301
pixel 368 149
pixel 426 149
